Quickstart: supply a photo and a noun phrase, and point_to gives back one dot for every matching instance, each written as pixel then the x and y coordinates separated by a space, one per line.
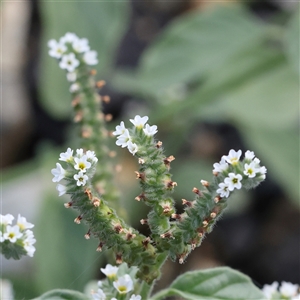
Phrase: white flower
pixel 223 190
pixel 81 178
pixel 110 271
pixel 61 189
pixel 135 297
pixel 256 161
pixel 75 87
pixel 58 173
pixel 233 157
pixel 123 139
pixel 90 57
pixel 132 147
pixel 249 155
pixel 12 233
pixel 139 121
pixel 79 152
pixel 220 166
pixel 23 224
pixel 81 45
pixel 7 219
pixel 99 295
pixel 69 62
pixel 28 243
pixel 56 49
pixel 250 170
pixel 91 155
pixel 270 289
pixel 71 76
pixel 68 38
pixel 124 284
pixel 150 130
pixel 120 129
pixel 81 163
pixel 233 181
pixel 288 289
pixel 66 156
pixel 2 239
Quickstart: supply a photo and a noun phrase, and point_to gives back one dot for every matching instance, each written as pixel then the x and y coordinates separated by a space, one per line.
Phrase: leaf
pixel 62 294
pixel 64 259
pixel 279 152
pixel 102 23
pixel 292 40
pixel 212 284
pixel 196 43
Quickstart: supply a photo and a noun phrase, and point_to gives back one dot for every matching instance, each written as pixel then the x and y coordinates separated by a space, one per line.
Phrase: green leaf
pixel 196 43
pixel 212 284
pixel 292 40
pixel 102 23
pixel 64 258
pixel 62 294
pixel 270 99
pixel 279 152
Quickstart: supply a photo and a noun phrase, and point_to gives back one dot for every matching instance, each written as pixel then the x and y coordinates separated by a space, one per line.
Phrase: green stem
pixel 145 289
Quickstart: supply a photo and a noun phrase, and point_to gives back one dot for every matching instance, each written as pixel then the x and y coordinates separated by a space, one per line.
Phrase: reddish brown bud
pixel 118 228
pixel 146 242
pixel 159 144
pixel 217 199
pixel 141 161
pixel 205 223
pixel 130 236
pixel 78 117
pixel 87 235
pixel 100 246
pixel 140 197
pixel 105 99
pixel 167 209
pixel 144 221
pixel 213 215
pixel 89 193
pixel 96 202
pixel 170 184
pixel 176 216
pixel 75 101
pixel 197 191
pixel 108 117
pixel 93 72
pixel 86 133
pixel 168 160
pixel 68 205
pixel 140 175
pixel 78 219
pixel 215 173
pixel 119 259
pixel 100 84
pixel 204 183
pixel 187 203
pixel 166 235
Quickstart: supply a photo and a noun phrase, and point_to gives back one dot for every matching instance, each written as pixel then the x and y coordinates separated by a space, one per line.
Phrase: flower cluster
pixel 72 52
pixel 79 167
pixel 286 291
pixel 234 172
pixel 116 285
pixel 125 137
pixel 17 237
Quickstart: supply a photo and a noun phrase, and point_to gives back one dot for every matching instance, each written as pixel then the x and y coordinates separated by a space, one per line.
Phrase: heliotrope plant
pixel 16 240
pixel 85 175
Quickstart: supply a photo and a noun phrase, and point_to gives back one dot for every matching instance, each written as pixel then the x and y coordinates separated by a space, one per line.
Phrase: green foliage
pixel 64 259
pixel 62 295
pixel 213 284
pixel 233 69
pixel 102 23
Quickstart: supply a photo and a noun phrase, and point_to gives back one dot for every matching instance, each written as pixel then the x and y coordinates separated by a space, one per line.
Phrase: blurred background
pixel 213 75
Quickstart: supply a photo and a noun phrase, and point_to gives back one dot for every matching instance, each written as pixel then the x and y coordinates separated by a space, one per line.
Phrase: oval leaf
pixel 212 284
